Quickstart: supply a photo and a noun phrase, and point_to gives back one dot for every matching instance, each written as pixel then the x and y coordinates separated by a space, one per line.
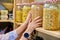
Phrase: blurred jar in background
pixel 25 10
pixel 37 10
pixel 50 16
pixel 4 14
pixel 18 14
pixel 58 3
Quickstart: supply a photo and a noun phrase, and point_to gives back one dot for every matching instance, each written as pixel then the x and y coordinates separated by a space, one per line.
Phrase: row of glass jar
pixel 22 11
pixel 48 11
pixel 51 15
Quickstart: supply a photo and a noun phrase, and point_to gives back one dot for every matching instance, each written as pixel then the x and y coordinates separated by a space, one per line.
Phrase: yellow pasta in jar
pixel 18 14
pixel 26 9
pixel 37 10
pixel 50 18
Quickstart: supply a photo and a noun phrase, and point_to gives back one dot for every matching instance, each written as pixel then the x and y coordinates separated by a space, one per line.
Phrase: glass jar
pixel 58 3
pixel 19 14
pixel 4 14
pixel 50 16
pixel 26 9
pixel 37 10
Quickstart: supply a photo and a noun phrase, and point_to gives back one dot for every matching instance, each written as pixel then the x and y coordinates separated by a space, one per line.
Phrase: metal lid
pixel 37 3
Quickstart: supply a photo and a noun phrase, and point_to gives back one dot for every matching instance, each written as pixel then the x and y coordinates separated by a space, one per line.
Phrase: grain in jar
pixel 50 16
pixel 25 10
pixel 18 14
pixel 37 10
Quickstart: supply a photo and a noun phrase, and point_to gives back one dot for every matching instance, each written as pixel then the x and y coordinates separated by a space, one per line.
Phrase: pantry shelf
pixel 48 32
pixel 6 20
pixel 18 4
pixel 18 23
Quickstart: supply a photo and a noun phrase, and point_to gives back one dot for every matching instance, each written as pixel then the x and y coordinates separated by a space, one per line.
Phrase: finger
pixel 37 21
pixel 29 16
pixel 37 26
pixel 30 20
pixel 36 18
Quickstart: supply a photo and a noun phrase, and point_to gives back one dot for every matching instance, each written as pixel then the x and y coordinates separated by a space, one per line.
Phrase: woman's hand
pixel 37 22
pixel 28 17
pixel 23 27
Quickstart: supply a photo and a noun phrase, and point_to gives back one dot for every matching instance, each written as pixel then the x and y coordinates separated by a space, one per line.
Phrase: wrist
pixel 27 31
pixel 26 35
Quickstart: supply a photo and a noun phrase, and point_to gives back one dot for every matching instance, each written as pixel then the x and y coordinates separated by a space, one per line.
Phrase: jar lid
pixel 50 1
pixel 27 4
pixel 37 3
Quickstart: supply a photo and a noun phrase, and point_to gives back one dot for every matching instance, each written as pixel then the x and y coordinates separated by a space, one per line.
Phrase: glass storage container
pixel 26 9
pixel 37 10
pixel 4 14
pixel 50 16
pixel 58 3
pixel 18 14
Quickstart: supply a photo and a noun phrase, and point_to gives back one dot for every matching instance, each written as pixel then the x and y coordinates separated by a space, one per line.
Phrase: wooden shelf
pixel 51 33
pixel 18 23
pixel 6 20
pixel 18 4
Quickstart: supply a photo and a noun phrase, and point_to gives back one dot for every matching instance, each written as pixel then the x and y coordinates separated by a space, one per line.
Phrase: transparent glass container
pixel 37 10
pixel 50 16
pixel 18 14
pixel 26 9
pixel 58 3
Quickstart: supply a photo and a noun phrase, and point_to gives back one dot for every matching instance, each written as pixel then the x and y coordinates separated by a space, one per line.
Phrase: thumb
pixel 28 17
pixel 30 20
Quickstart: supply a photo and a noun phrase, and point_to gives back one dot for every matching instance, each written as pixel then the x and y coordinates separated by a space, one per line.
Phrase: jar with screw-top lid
pixel 50 15
pixel 37 10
